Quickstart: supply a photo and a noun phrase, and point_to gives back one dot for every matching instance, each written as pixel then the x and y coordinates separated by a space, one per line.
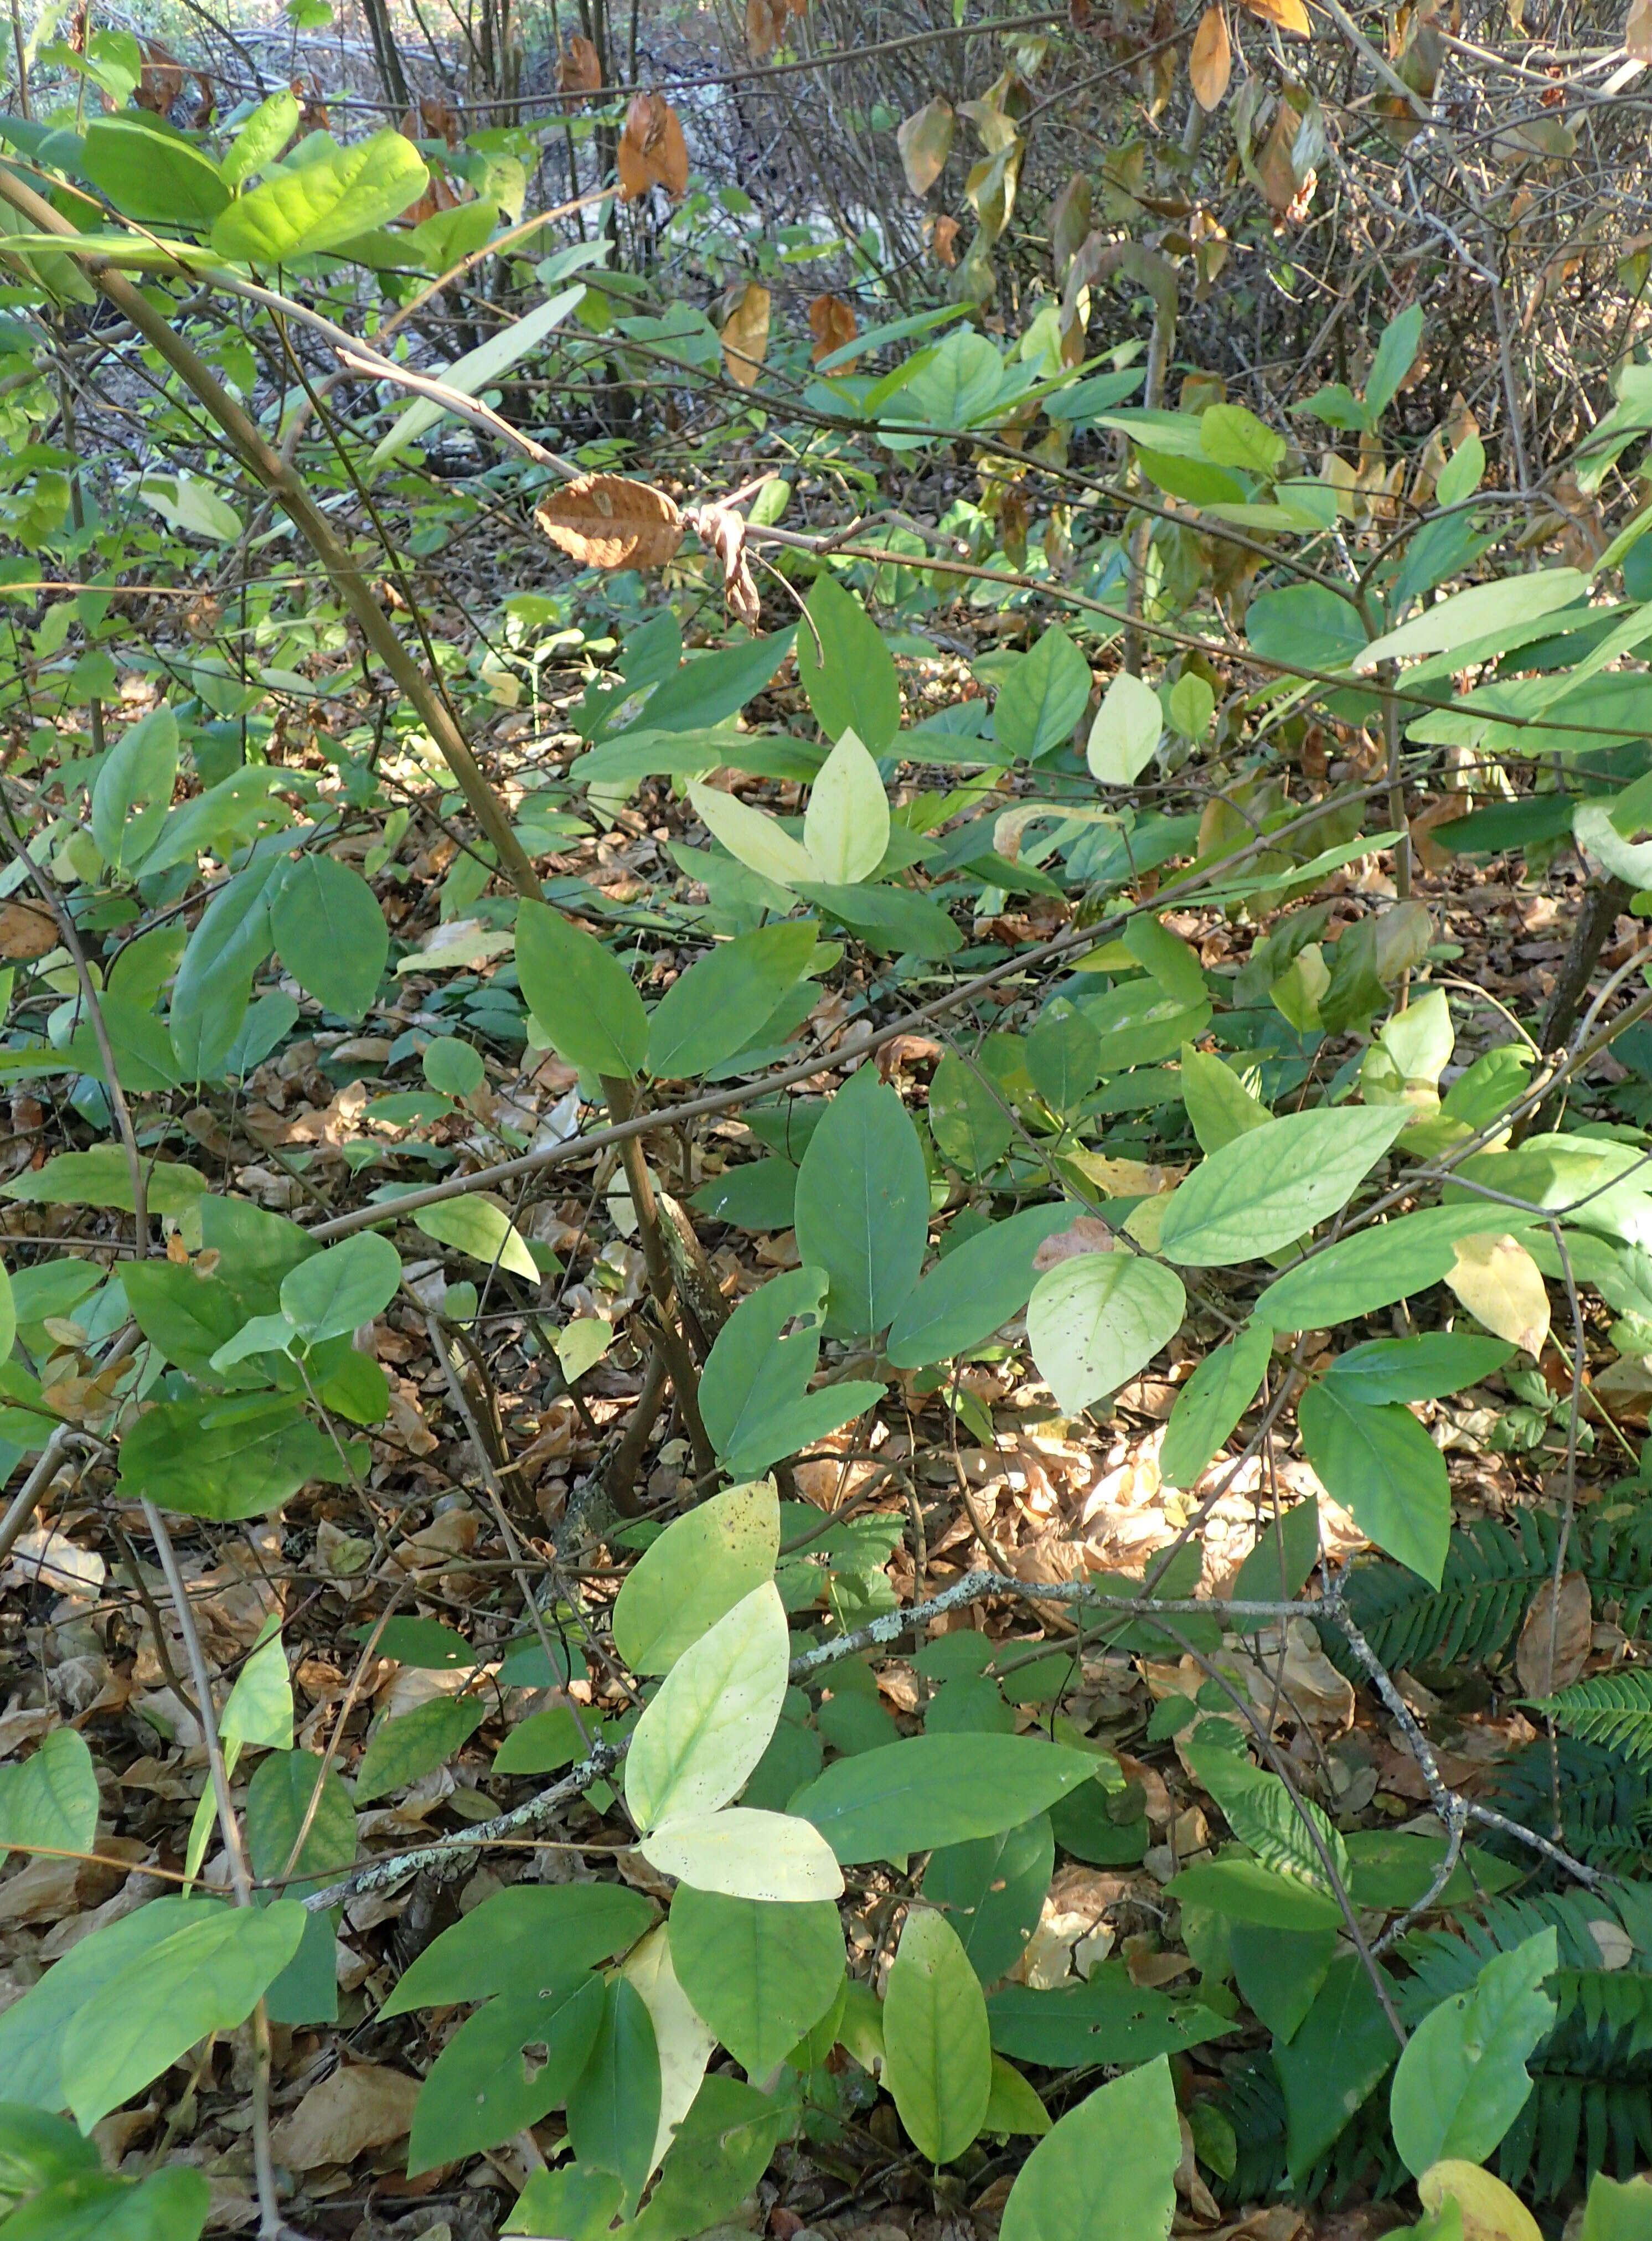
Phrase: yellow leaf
pixel 924 142
pixel 1491 2212
pixel 1210 63
pixel 1289 15
pixel 684 2044
pixel 1502 1287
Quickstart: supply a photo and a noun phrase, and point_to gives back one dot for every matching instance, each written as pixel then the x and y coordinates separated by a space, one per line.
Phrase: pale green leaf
pixel 710 1722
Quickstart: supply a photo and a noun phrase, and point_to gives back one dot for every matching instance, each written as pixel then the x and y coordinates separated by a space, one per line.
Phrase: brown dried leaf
pixel 581 69
pixel 609 521
pixel 1210 63
pixel 833 324
pixel 1554 1640
pixel 925 141
pixel 745 334
pixel 1289 15
pixel 944 241
pixel 1087 1232
pixel 653 153
pixel 361 2107
pixel 26 930
pixel 1273 165
pixel 1637 32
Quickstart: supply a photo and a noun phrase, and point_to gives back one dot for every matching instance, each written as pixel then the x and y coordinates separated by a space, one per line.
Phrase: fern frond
pixel 1612 1709
pixel 1605 1801
pixel 1492 1572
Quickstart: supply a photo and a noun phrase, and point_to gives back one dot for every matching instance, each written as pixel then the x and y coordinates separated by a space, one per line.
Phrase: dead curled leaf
pixel 723 532
pixel 1554 1640
pixel 581 69
pixel 610 521
pixel 362 2106
pixel 651 152
pixel 925 141
pixel 745 334
pixel 833 324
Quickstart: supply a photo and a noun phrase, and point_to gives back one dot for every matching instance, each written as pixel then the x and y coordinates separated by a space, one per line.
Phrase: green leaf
pixel 522 1938
pixel 543 1743
pixel 258 1710
pixel 1388 1261
pixel 1271 1185
pixel 759 1974
pixel 1397 352
pixel 261 139
pixel 335 1291
pixel 278 1800
pixel 1617 2210
pixel 1286 1552
pixel 580 2205
pixel 992 1890
pixel 224 1458
pixel 1461 2080
pixel 453 1068
pixel 1424 1368
pixel 863 1204
pixel 327 925
pixel 478 1224
pixel 49 1802
pixel 1108 2172
pixel 1486 613
pixel 478 369
pixel 214 983
pixel 711 687
pixel 1263 1814
pixel 207 1975
pixel 973 1290
pixel 759 1195
pixel 1382 1467
pixel 1012 2106
pixel 846 670
pixel 701 1566
pixel 1212 1401
pixel 1234 436
pixel 339 194
pixel 401 1751
pixel 151 174
pixel 753 1393
pixel 1042 698
pixel 102 1177
pixel 1218 1105
pixel 726 998
pixel 1244 1891
pixel 721 2149
pixel 133 790
pixel 424 1642
pixel 892 920
pixel 1125 736
pixel 581 996
pixel 1279 1972
pixel 931 1790
pixel 1093 1321
pixel 614 2104
pixel 1106 2019
pixel 710 1722
pixel 38 2150
pixel 1335 2059
pixel 938 2057
pixel 846 828
pixel 483 2088
pixel 752 837
pixel 169 2205
pixel 1063 1056
pixel 746 1853
pixel 972 1125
